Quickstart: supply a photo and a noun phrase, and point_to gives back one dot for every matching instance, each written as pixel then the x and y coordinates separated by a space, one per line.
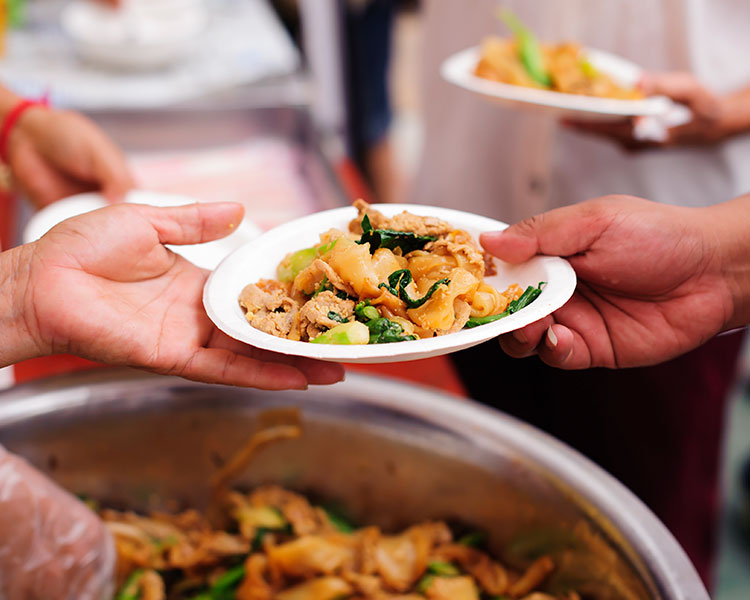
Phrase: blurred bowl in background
pixel 139 35
pixel 206 256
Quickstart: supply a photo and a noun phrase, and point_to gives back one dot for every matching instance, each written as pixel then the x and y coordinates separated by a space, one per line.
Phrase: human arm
pixel 715 117
pixel 53 154
pixel 104 287
pixel 654 281
pixel 51 544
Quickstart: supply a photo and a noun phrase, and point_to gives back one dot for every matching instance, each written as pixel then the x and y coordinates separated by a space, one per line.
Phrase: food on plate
pixel 523 60
pixel 386 279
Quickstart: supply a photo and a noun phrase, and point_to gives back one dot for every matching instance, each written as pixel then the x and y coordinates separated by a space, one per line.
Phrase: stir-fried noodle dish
pixel 564 67
pixel 384 280
pixel 275 544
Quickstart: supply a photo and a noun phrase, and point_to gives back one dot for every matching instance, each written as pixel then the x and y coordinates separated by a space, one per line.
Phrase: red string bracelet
pixel 11 119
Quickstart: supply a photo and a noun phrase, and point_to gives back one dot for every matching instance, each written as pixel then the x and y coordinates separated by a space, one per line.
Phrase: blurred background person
pixel 657 429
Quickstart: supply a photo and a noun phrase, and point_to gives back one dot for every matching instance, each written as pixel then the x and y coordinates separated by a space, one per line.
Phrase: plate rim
pixel 403 351
pixel 452 70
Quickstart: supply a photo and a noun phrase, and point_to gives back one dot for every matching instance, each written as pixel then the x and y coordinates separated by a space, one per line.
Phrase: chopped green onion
pixel 349 333
pixel 529 49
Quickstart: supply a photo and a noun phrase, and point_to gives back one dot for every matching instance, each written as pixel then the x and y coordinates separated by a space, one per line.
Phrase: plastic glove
pixel 52 547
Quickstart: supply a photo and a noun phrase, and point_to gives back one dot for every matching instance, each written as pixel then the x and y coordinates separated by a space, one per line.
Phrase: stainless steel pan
pixel 390 453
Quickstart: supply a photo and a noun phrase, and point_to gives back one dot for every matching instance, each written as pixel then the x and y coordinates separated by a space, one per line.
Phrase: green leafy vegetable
pixel 424 583
pixel 382 330
pixel 164 543
pixel 334 316
pixel 323 286
pixel 445 569
pixel 529 49
pixel 388 238
pixel 352 332
pixel 529 295
pixel 385 331
pixel 131 588
pixel 397 282
pixel 228 582
pixel 260 533
pixel 338 520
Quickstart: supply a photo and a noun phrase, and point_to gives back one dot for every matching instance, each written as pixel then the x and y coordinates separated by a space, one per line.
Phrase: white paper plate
pixel 458 69
pixel 206 256
pixel 259 259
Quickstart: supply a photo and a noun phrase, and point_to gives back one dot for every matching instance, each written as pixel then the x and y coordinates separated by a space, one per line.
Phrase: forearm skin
pixel 736 112
pixel 17 339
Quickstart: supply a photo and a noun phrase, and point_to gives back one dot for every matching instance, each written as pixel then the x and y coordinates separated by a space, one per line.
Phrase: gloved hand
pixel 52 547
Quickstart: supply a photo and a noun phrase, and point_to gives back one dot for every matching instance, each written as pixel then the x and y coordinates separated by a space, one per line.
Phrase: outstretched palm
pixel 103 286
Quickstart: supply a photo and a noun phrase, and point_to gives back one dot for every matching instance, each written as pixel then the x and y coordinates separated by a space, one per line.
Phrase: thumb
pixel 562 232
pixel 194 223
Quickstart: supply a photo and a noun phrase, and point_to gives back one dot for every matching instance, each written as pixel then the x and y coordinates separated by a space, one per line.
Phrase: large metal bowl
pixel 390 453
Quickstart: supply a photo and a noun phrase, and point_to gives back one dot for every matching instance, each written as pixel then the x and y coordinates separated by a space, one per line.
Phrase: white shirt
pixel 511 164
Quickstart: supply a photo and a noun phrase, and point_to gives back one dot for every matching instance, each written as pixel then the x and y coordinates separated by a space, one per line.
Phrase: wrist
pixel 730 241
pixel 19 340
pixel 22 122
pixel 7 101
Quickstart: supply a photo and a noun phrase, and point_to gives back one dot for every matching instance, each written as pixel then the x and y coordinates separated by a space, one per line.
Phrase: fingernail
pixel 551 337
pixel 520 336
